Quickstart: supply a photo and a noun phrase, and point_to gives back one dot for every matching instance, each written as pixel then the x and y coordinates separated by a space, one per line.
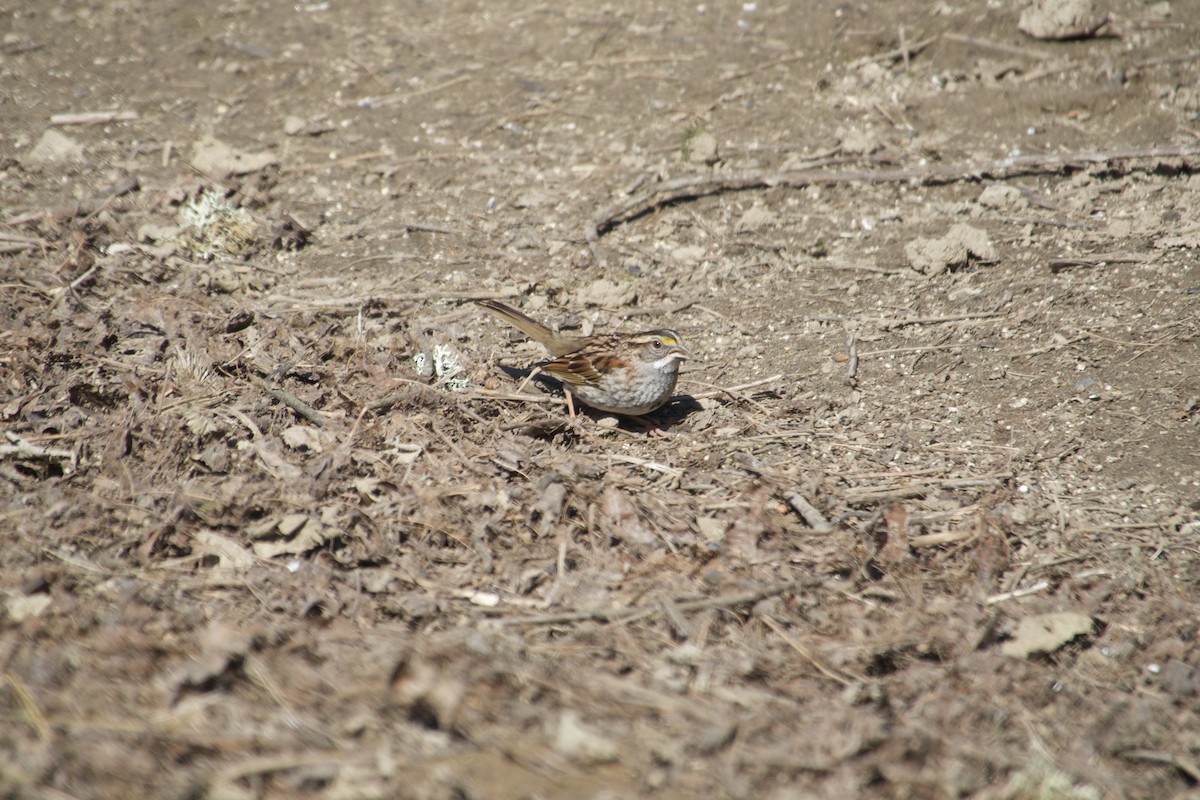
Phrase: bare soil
pixel 904 532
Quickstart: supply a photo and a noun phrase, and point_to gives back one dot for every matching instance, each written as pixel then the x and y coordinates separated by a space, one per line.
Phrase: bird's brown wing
pixel 587 366
pixel 573 369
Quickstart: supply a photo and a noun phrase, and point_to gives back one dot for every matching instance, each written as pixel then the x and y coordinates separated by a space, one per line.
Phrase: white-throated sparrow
pixel 620 373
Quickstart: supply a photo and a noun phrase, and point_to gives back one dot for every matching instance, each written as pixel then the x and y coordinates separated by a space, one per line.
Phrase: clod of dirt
pixel 1180 679
pixel 860 142
pixel 606 293
pixel 576 741
pixel 22 608
pixel 432 695
pixel 711 528
pixel 299 437
pixel 755 219
pixel 622 521
pixel 1061 19
pixel 1041 777
pixel 239 320
pixel 955 249
pixel 54 147
pixel 701 148
pixel 298 126
pixel 534 198
pixel 223 646
pixel 688 255
pixel 1185 236
pixel 293 125
pixel 1045 633
pixel 219 160
pixel 227 552
pixel 215 458
pixel 1003 198
pixel 292 535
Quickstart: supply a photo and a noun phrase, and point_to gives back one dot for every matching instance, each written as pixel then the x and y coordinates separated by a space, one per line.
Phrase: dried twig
pixel 516 397
pixel 626 615
pixel 16 48
pixel 421 227
pixel 845 679
pixel 999 47
pixel 262 765
pixel 651 465
pixel 1061 264
pixel 678 621
pixel 70 288
pixel 1184 765
pixel 1047 71
pixel 1159 342
pixel 404 97
pixel 1158 61
pixel 827 264
pixel 291 401
pixel 763 67
pixel 691 188
pixel 925 349
pixel 888 325
pixel 937 539
pixel 852 362
pixel 1040 586
pixel 93 117
pixel 892 323
pixel 24 449
pixel 902 53
pixel 12 243
pixel 33 711
pixel 8 248
pixel 353 303
pixel 741 387
pixel 877 494
pixel 1037 351
pixel 817 523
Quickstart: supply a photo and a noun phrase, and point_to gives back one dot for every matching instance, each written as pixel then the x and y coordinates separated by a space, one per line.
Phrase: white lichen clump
pixel 446 368
pixel 212 227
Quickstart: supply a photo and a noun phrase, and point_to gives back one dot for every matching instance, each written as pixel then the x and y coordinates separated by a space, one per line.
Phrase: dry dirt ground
pixel 926 515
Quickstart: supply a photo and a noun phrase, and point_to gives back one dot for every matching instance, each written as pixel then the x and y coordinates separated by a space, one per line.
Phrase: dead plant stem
pixel 691 188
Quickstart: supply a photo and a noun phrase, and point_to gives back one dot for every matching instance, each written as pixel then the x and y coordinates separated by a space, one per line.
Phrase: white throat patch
pixel 665 361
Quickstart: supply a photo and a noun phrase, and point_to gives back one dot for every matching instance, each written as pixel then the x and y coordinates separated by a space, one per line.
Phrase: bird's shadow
pixel 677 409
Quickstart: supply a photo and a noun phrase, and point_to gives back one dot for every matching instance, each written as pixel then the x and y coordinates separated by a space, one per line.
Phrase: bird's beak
pixel 680 352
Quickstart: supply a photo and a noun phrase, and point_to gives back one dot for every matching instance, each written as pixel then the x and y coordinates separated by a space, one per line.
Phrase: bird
pixel 630 374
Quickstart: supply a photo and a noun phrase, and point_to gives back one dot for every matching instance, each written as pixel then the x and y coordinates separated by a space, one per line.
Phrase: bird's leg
pixel 576 425
pixel 533 374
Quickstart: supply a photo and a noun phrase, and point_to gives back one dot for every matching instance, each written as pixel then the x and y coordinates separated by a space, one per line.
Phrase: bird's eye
pixel 657 344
